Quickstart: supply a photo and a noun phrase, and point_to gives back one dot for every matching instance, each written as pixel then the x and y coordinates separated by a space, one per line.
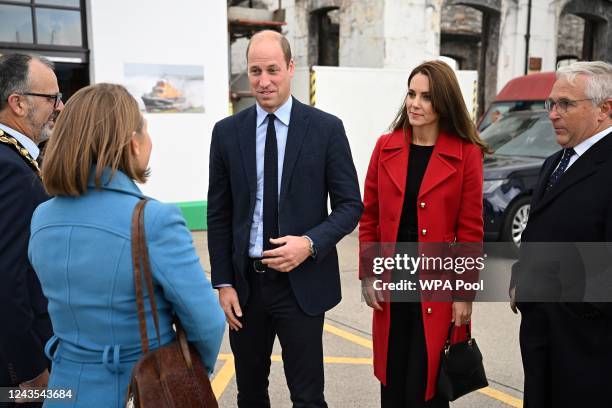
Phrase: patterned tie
pixel 556 175
pixel 270 189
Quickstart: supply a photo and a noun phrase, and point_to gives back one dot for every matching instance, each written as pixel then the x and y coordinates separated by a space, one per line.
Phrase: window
pixel 44 24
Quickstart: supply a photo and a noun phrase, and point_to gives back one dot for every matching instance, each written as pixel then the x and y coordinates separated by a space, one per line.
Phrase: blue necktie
pixel 556 175
pixel 270 187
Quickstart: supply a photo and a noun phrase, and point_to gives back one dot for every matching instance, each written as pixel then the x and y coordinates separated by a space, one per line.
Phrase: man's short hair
pixel 14 69
pixel 284 43
pixel 599 78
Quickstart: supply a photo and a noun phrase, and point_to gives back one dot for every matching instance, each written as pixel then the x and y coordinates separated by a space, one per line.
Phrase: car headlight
pixel 490 186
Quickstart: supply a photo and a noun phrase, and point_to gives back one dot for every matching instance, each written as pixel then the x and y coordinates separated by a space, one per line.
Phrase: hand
pixel 462 312
pixel 371 295
pixel 292 252
pixel 228 299
pixel 513 300
pixel 40 381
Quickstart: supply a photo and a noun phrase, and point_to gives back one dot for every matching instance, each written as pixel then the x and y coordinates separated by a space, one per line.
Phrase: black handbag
pixel 461 368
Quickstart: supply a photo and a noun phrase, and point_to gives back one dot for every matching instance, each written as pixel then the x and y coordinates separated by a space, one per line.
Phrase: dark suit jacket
pixel 24 323
pixel 317 164
pixel 578 209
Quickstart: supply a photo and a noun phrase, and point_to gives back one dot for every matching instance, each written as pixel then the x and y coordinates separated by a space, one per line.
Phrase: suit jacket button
pixel 422 204
pixel 423 231
pixel 429 310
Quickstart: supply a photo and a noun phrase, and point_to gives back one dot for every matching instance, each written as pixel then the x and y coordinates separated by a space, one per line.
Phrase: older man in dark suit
pixel 29 103
pixel 565 337
pixel 270 237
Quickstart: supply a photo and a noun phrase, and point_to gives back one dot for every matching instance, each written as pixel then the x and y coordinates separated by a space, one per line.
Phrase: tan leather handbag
pixel 172 375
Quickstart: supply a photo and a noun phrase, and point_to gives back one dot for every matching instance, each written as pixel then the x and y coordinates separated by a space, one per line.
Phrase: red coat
pixel 450 207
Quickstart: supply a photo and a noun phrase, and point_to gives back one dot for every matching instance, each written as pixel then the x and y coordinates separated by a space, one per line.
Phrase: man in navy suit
pixel 271 240
pixel 29 103
pixel 566 331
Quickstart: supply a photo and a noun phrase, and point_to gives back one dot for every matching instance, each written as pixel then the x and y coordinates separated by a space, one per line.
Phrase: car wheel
pixel 515 223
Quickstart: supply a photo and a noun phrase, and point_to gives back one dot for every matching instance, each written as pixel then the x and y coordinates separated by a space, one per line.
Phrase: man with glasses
pixel 29 104
pixel 566 333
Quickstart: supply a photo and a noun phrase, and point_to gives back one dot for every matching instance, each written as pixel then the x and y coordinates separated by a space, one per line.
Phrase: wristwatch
pixel 313 250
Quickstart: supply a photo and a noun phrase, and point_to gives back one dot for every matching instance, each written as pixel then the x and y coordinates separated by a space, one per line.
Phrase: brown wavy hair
pixel 447 102
pixel 95 128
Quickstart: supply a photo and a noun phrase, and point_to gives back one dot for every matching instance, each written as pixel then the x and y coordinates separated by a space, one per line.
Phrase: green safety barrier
pixel 195 214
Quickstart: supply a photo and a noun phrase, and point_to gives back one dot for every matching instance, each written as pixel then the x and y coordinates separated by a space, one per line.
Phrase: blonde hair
pixel 95 128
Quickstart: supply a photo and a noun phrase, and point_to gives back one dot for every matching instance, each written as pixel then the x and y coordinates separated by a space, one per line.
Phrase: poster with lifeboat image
pixel 161 88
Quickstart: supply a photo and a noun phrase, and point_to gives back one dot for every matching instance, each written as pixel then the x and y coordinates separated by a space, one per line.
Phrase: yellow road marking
pixel 332 360
pixel 222 378
pixel 347 360
pixel 362 341
pixel 502 396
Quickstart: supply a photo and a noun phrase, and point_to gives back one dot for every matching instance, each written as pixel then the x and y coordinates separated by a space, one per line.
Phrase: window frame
pixel 82 51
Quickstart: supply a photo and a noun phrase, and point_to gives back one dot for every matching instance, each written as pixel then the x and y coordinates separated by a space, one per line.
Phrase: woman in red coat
pixel 424 185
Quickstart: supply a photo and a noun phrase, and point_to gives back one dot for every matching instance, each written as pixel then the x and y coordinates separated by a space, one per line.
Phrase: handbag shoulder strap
pixel 142 266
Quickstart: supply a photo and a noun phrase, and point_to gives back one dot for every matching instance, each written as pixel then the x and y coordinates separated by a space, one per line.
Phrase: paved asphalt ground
pixel 349 379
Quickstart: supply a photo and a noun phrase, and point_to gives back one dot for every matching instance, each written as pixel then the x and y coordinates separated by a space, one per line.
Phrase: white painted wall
pixel 367 99
pixel 511 60
pixel 411 31
pixel 362 42
pixel 300 85
pixel 183 32
pixel 543 42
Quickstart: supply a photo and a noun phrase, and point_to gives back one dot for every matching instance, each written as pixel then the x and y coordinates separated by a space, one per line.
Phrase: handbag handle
pixel 468 332
pixel 140 257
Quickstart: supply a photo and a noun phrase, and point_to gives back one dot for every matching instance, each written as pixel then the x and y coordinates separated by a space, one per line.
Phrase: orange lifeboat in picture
pixel 163 96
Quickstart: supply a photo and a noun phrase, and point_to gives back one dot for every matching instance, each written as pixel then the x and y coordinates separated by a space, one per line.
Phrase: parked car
pixel 520 141
pixel 526 92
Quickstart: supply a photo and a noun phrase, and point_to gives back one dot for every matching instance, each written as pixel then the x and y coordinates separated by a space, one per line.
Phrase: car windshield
pixel 499 109
pixel 522 135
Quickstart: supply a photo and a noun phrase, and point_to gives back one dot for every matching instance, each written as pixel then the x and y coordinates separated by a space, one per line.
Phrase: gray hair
pixel 14 74
pixel 599 78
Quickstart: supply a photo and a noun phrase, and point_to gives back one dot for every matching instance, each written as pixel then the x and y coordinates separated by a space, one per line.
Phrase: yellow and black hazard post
pixel 313 87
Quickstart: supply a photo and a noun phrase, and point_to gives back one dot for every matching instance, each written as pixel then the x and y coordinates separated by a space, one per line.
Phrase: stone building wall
pixel 569 40
pixel 395 33
pixel 460 39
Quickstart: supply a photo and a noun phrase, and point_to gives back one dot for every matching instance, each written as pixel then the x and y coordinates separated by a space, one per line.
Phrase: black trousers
pixel 407 361
pixel 567 358
pixel 271 311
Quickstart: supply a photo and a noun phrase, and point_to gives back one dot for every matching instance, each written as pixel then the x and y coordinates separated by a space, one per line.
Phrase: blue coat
pixel 80 250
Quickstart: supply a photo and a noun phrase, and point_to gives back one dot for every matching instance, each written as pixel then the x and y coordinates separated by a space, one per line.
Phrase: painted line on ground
pixel 502 396
pixel 362 341
pixel 353 338
pixel 221 380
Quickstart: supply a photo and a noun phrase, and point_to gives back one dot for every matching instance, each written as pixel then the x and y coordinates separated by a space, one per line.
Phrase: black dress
pixel 407 354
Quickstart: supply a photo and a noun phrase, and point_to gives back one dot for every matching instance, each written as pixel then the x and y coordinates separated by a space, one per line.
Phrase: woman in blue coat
pixel 80 249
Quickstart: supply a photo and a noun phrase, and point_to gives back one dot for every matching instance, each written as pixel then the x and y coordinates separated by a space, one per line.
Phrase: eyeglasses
pixel 57 98
pixel 562 104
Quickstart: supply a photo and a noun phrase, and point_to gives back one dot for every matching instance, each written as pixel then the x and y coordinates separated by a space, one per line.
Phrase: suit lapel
pixel 585 166
pixel 394 159
pixel 247 141
pixel 439 168
pixel 298 127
